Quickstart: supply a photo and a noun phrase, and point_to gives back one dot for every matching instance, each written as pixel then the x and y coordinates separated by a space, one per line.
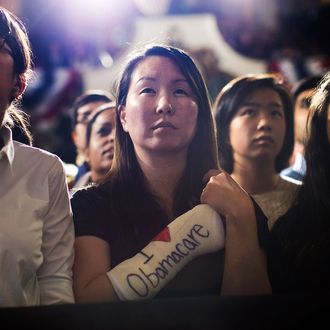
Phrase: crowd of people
pixel 174 196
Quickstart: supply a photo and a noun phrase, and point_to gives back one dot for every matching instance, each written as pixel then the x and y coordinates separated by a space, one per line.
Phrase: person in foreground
pixel 299 249
pixel 143 232
pixel 36 228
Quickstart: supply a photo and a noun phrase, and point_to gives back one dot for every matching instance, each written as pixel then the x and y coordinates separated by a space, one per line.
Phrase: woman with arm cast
pixel 142 231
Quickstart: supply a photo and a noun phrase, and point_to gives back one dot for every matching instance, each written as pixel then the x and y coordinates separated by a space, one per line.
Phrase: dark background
pixel 69 35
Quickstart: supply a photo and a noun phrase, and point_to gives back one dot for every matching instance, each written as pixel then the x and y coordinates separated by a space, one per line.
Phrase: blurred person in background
pixel 83 109
pixel 254 118
pixel 215 78
pixel 302 93
pixel 100 139
pixel 36 229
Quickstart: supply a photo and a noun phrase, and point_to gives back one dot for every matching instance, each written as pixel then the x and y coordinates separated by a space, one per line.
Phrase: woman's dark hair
pixel 202 151
pixel 305 84
pixel 14 33
pixel 126 176
pixel 306 236
pixel 228 103
pixel 90 96
pixel 314 196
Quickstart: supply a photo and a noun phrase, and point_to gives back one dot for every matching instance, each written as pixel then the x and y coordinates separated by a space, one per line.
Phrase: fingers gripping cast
pixel 196 232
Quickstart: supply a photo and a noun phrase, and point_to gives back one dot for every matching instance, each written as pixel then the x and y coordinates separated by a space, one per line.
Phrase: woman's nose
pixel 111 136
pixel 164 106
pixel 264 123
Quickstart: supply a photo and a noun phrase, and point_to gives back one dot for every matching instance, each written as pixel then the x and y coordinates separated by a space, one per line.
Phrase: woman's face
pixel 100 151
pixel 161 110
pixel 257 130
pixel 7 78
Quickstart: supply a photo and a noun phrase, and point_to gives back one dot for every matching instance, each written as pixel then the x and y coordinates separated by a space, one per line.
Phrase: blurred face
pixel 301 111
pixel 84 115
pixel 8 80
pixel 257 130
pixel 99 153
pixel 161 111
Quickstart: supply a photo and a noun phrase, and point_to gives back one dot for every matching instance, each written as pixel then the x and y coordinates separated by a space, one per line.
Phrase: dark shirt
pixel 93 215
pixel 299 256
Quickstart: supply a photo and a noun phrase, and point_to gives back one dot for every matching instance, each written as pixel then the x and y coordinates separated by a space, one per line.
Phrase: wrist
pixel 242 222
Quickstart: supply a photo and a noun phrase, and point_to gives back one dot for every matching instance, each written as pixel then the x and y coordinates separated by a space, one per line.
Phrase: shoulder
pixel 285 188
pixel 289 185
pixel 84 193
pixel 28 155
pixel 38 166
pixel 91 212
pixel 93 196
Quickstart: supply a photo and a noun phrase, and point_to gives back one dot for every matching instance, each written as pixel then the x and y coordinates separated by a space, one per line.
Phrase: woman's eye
pixel 104 131
pixel 248 112
pixel 181 91
pixel 277 113
pixel 147 90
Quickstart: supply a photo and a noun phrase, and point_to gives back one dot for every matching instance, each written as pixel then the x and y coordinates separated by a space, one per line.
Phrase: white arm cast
pixel 196 232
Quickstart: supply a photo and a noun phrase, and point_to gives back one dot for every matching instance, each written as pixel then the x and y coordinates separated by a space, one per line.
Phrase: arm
pixel 198 231
pixel 55 273
pixel 245 269
pixel 91 264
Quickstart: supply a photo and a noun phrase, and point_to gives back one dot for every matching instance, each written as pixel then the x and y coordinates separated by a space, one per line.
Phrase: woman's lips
pixel 264 139
pixel 164 125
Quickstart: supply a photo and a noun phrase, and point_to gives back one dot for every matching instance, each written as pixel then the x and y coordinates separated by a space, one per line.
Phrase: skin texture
pixel 99 153
pixel 256 136
pixel 159 97
pixel 257 129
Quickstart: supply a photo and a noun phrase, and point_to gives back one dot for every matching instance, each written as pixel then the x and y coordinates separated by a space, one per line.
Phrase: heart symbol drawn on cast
pixel 163 236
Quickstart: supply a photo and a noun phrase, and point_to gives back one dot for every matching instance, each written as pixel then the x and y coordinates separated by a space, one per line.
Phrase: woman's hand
pixel 225 195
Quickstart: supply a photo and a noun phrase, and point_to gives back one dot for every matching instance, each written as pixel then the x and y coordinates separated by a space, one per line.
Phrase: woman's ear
pixel 122 116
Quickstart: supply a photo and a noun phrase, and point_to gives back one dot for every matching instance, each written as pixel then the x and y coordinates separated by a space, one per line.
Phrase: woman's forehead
pixel 155 66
